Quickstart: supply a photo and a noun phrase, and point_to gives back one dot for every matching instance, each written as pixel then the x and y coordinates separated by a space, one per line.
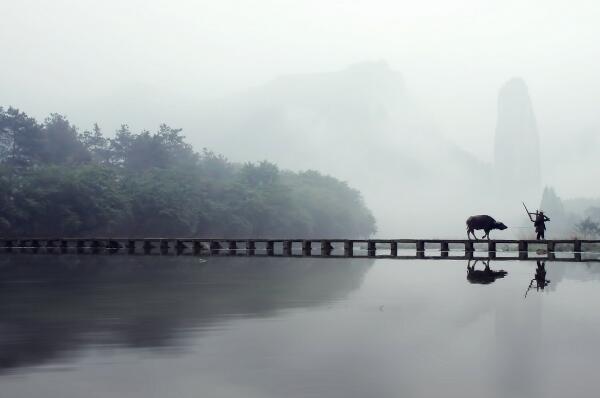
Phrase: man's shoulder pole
pixel 529 214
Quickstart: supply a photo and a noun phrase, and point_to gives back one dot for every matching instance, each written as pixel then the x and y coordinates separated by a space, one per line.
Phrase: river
pixel 166 326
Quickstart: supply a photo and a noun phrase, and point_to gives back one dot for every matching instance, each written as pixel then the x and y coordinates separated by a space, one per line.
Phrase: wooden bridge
pixel 574 250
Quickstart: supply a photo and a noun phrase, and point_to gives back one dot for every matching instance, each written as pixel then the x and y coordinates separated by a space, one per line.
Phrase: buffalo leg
pixel 471 232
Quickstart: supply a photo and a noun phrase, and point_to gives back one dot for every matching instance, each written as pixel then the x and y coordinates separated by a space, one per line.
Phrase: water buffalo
pixel 484 222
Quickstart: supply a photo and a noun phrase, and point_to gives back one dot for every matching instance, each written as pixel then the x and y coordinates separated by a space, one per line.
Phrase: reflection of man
pixel 540 278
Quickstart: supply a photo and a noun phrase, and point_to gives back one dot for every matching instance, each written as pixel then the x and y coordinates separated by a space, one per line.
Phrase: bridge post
pixel 8 245
pixel 523 250
pixel 394 249
pixel 270 248
pixel 550 248
pixel 444 249
pixel 287 247
pixel 95 246
pixel 469 249
pixel 164 246
pixel 49 245
pixel 491 249
pixel 250 247
pixel 196 247
pixel 80 246
pixel 215 246
pixel 49 249
pixel 148 246
pixel 306 247
pixel 180 246
pixel 326 248
pixel 232 247
pixel 577 249
pixel 35 244
pixel 371 249
pixel 23 245
pixel 420 249
pixel 348 248
pixel 64 246
pixel 113 245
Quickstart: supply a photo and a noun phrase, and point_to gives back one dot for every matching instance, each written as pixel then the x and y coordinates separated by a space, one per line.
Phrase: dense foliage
pixel 55 180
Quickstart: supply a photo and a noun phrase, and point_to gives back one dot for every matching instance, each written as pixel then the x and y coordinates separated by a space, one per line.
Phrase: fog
pixel 400 99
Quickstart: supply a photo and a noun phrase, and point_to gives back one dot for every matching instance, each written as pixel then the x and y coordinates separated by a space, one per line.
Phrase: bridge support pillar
pixel 348 248
pixel 232 248
pixel 215 247
pixel 96 246
pixel 180 246
pixel 394 249
pixel 550 248
pixel 523 250
pixel 130 246
pixel 250 247
pixel 371 249
pixel 420 248
pixel 148 246
pixel 306 248
pixel 326 248
pixel 577 250
pixel 469 249
pixel 444 249
pixel 113 245
pixel 8 245
pixel 492 249
pixel 270 248
pixel 35 244
pixel 196 247
pixel 287 247
pixel 164 246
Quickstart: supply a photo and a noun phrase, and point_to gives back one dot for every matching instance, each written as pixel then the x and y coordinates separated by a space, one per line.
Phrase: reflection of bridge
pixel 565 250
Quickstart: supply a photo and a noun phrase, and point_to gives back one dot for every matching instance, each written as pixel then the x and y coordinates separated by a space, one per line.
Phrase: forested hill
pixel 58 181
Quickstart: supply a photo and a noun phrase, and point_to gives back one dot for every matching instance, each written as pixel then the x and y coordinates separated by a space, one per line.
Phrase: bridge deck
pixel 330 247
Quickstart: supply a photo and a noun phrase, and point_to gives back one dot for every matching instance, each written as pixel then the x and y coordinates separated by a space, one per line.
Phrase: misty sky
pixel 59 56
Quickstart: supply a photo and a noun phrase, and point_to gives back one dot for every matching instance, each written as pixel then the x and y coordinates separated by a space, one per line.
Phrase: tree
pixel 62 144
pixel 588 228
pixel 96 144
pixel 55 181
pixel 120 146
pixel 21 138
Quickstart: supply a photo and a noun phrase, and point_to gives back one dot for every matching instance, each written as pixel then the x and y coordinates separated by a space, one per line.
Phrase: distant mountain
pixel 362 125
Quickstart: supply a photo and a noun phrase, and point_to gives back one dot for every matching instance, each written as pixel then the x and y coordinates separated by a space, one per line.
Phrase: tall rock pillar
pixel 517 144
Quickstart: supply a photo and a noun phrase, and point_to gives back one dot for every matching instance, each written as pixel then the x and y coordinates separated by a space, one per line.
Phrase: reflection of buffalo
pixel 485 276
pixel 484 222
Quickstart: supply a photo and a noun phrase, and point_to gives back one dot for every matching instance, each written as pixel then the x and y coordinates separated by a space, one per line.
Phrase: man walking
pixel 539 223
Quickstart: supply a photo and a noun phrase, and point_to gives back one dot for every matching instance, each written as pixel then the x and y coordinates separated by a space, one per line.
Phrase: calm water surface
pixel 118 326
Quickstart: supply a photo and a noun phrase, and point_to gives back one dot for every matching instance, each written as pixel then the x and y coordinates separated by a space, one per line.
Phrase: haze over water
pixel 100 326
